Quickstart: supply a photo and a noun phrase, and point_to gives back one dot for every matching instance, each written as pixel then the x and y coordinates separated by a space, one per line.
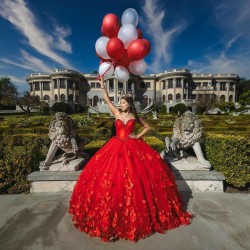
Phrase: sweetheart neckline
pixel 123 122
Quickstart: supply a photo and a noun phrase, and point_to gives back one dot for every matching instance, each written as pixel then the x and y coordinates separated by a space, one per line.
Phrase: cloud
pixel 28 62
pixel 162 38
pixel 20 16
pixel 17 80
pixel 233 20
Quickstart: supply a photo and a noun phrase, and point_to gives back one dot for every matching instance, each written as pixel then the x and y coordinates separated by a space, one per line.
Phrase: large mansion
pixel 169 87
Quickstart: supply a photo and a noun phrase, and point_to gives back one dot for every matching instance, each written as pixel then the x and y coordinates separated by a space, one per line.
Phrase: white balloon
pixel 121 74
pixel 130 16
pixel 137 67
pixel 100 47
pixel 127 33
pixel 106 70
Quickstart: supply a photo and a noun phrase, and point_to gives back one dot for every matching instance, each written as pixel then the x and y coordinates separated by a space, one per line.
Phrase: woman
pixel 126 190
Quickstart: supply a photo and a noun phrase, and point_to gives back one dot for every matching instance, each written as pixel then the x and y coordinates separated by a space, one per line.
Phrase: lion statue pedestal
pixel 63 135
pixel 186 134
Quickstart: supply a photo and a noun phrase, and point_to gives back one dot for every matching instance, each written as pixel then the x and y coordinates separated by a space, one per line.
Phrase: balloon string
pixel 99 77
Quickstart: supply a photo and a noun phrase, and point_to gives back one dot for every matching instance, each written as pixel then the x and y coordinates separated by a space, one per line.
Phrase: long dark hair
pixel 130 101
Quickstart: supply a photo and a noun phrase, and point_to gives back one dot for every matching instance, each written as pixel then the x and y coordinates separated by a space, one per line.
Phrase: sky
pixel 209 36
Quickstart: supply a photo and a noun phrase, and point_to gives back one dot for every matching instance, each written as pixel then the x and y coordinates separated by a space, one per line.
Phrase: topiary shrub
pixel 229 155
pixel 155 143
pixel 17 162
pixel 62 107
pixel 92 147
pixel 179 108
pixel 163 109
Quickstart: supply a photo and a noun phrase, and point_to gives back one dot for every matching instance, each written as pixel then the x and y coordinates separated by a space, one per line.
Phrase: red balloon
pixel 137 49
pixel 148 44
pixel 124 60
pixel 139 33
pixel 110 25
pixel 115 48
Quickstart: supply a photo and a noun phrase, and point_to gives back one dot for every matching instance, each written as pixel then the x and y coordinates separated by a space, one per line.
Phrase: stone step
pixel 51 182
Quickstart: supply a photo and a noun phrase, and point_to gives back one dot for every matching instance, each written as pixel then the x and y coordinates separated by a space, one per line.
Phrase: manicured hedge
pixel 230 155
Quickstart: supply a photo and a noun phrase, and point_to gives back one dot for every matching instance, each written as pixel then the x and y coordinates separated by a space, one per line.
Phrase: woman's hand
pixel 102 83
pixel 133 135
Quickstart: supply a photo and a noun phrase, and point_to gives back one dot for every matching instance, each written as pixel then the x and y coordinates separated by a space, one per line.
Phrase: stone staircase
pixel 186 180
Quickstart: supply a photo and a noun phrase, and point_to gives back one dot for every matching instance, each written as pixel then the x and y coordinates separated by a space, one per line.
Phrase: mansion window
pixel 46 98
pixel 170 83
pixel 170 97
pixel 62 84
pixel 37 86
pixel 55 84
pixel 198 84
pixel 223 86
pixel 31 86
pixel 148 84
pixel 70 84
pixel 95 85
pixel 205 84
pixel 62 98
pixel 178 96
pixel 178 83
pixel 231 87
pixel 46 85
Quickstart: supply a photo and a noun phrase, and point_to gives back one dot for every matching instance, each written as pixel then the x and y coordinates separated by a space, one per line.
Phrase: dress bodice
pixel 124 130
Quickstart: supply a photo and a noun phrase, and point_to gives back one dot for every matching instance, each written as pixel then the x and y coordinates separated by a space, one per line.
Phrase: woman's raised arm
pixel 112 108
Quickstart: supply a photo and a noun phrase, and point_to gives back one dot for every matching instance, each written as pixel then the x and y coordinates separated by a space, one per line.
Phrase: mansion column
pixel 67 89
pixel 174 89
pixel 183 88
pixel 41 89
pixel 52 91
pixel 166 89
pixel 133 89
pixel 115 90
pixel 125 87
pixel 58 89
pixel 227 89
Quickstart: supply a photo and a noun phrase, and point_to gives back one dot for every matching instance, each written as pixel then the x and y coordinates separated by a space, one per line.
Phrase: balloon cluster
pixel 121 48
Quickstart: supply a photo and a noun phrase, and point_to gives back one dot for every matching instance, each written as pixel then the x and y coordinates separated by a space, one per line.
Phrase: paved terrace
pixel 41 221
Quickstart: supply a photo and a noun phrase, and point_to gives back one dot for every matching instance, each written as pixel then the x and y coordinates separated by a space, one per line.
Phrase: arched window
pixel 95 100
pixel 222 98
pixel 46 98
pixel 70 98
pixel 170 97
pixel 178 96
pixel 62 98
pixel 231 98
pixel 163 98
pixel 56 97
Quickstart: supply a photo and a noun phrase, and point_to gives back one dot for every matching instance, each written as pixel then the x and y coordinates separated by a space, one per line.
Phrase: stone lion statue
pixel 187 132
pixel 63 135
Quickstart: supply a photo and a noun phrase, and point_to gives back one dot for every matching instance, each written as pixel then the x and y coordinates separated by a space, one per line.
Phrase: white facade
pixel 169 87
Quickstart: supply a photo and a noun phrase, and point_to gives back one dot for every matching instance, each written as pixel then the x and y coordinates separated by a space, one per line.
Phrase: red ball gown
pixel 126 191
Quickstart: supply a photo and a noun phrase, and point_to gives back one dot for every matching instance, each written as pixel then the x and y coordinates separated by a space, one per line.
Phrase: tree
pixel 245 98
pixel 62 107
pixel 8 92
pixel 28 102
pixel 242 87
pixel 179 108
pixel 205 101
